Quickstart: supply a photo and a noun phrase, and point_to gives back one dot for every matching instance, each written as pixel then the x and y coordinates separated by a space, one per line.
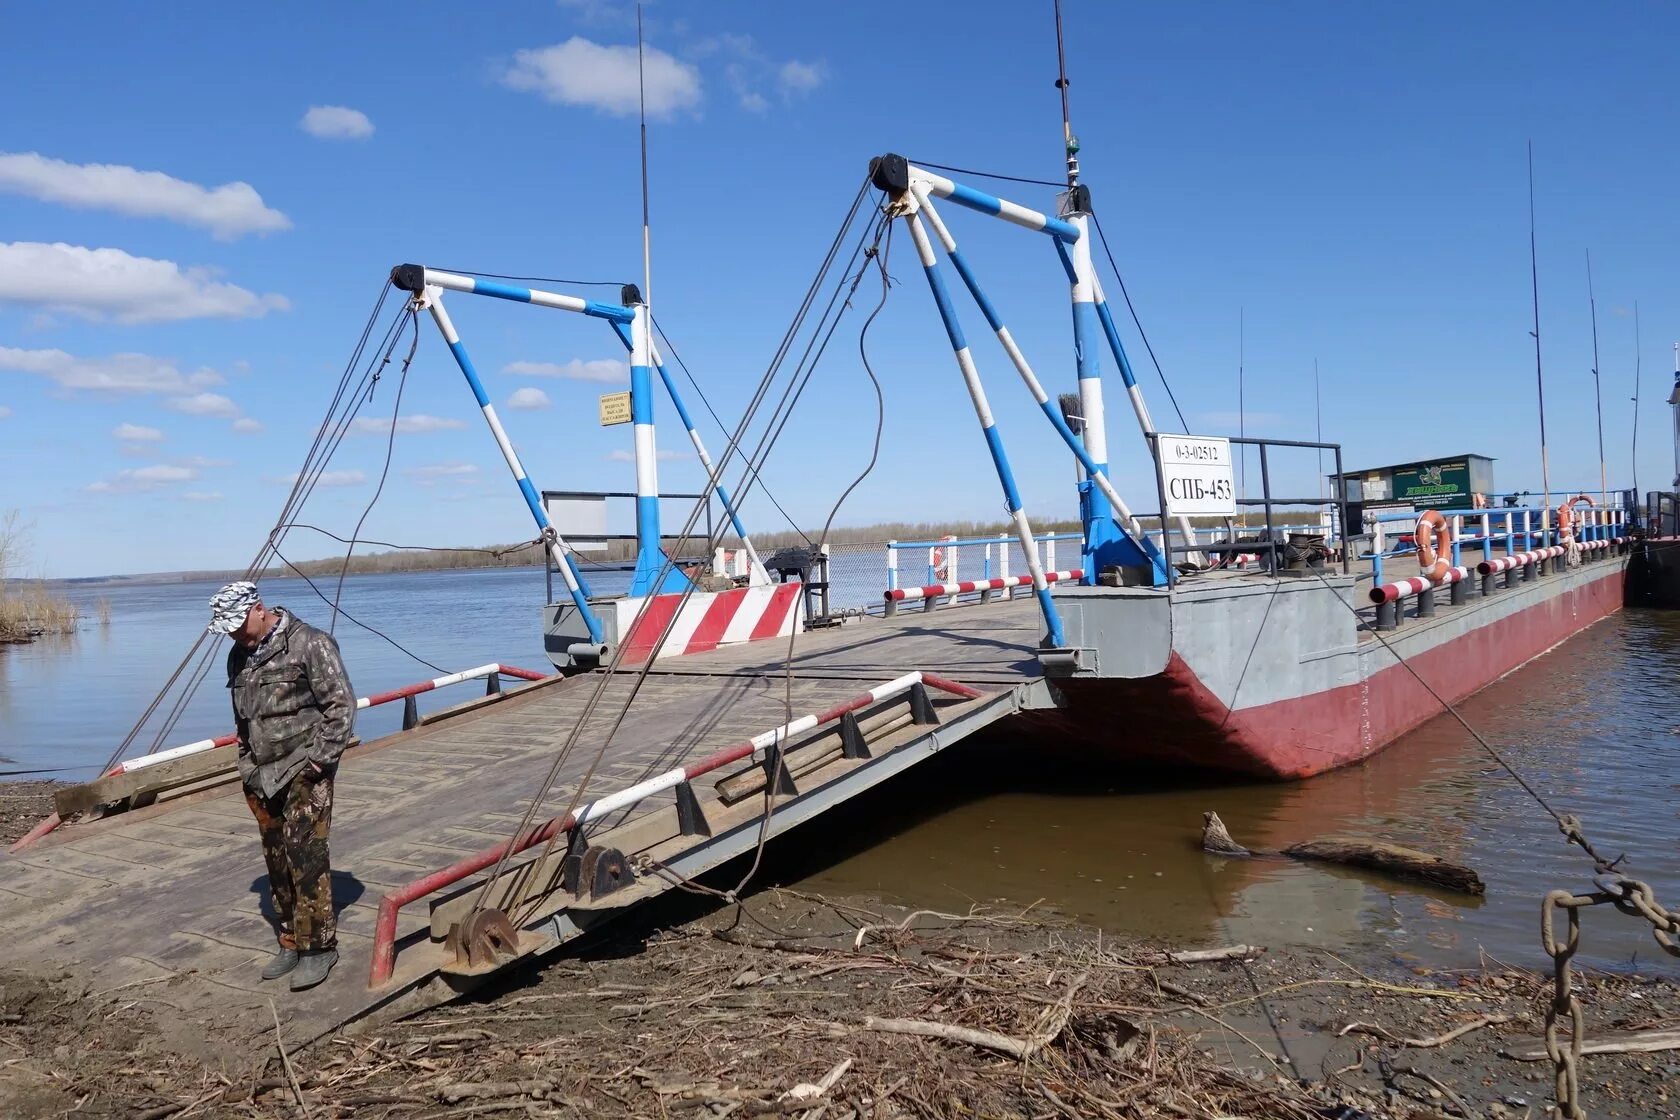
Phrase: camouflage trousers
pixel 294 825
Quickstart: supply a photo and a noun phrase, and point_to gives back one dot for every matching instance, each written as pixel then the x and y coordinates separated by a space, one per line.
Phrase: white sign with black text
pixel 1196 474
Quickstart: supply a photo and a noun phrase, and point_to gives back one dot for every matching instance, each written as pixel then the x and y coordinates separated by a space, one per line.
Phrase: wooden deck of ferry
pixel 168 901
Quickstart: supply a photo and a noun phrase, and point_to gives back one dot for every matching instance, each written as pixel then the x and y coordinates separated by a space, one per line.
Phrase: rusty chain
pixel 1630 896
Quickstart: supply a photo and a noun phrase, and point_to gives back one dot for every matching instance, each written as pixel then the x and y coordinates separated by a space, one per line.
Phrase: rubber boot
pixel 313 966
pixel 281 963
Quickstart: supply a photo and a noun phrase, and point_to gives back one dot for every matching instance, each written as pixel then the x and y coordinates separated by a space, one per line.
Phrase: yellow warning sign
pixel 615 409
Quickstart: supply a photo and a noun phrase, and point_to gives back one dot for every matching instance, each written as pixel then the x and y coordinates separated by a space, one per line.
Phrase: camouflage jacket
pixel 292 704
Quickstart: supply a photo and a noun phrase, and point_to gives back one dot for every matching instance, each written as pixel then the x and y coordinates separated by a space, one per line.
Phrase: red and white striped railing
pixel 129 766
pixel 362 702
pixel 1417 585
pixel 1522 559
pixel 1519 560
pixel 385 927
pixel 940 590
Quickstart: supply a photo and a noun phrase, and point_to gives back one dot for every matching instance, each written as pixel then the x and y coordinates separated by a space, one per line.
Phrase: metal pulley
pixel 479 941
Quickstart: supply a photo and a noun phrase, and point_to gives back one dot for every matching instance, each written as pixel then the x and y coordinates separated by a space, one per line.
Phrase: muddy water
pixel 1594 724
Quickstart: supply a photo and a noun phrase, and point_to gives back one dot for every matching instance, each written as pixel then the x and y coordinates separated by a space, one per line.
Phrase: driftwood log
pixel 1372 855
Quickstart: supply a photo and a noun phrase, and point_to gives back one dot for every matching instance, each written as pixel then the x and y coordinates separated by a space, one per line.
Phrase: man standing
pixel 293 710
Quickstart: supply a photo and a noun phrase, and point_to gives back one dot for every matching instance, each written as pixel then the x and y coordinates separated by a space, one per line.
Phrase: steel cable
pixel 344 380
pixel 594 699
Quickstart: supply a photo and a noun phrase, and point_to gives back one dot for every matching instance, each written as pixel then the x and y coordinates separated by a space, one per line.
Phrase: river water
pixel 1593 724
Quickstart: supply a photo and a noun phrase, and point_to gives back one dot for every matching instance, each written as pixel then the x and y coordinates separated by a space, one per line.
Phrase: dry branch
pixel 1371 855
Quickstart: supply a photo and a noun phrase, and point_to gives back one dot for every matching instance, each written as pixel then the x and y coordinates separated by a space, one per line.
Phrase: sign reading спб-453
pixel 1196 474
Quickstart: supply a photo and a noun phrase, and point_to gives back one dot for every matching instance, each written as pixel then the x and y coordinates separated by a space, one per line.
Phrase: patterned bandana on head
pixel 230 606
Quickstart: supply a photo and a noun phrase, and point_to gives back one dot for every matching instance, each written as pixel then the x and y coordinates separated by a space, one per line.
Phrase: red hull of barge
pixel 1190 728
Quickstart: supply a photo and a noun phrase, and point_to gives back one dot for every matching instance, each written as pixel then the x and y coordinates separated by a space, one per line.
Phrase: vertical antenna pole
pixel 1068 142
pixel 641 93
pixel 1674 399
pixel 1103 539
pixel 1318 423
pixel 650 556
pixel 1598 400
pixel 1539 377
pixel 1638 357
pixel 1242 415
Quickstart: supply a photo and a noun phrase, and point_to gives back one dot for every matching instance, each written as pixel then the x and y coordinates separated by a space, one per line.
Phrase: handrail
pixel 1595 523
pixel 1387 597
pixel 1046 557
pixel 895 595
pixel 384 957
pixel 52 820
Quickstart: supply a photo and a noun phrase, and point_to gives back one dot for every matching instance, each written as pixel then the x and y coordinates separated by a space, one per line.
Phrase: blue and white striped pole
pixel 1145 423
pixel 983 410
pixel 759 575
pixel 980 201
pixel 1102 538
pixel 1148 553
pixel 432 278
pixel 557 549
pixel 650 557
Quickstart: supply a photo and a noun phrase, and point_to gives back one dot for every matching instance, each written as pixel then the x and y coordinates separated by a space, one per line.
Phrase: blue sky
pixel 1350 179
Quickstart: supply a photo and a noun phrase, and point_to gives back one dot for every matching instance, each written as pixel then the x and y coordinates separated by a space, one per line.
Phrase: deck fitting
pixel 852 742
pixel 921 707
pixel 776 773
pixel 691 819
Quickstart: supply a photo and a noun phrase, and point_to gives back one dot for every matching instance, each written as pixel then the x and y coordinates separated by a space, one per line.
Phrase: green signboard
pixel 1443 485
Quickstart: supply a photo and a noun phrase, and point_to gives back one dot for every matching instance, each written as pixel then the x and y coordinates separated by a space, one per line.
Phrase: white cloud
pixel 5 412
pixel 111 284
pixel 331 478
pixel 749 71
pixel 205 404
pixel 620 455
pixel 143 478
pixel 407 425
pixel 581 72
pixel 247 426
pixel 202 496
pixel 796 78
pixel 336 122
pixel 597 369
pixel 528 399
pixel 228 211
pixel 444 470
pixel 116 373
pixel 137 433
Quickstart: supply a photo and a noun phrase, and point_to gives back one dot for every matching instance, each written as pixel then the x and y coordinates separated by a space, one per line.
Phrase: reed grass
pixel 29 611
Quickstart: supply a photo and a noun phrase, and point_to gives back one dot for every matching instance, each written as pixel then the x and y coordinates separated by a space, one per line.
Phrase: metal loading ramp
pixel 168 899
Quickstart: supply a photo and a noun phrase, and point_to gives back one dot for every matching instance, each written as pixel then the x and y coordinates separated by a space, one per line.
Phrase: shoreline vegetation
pixel 528 554
pixel 28 610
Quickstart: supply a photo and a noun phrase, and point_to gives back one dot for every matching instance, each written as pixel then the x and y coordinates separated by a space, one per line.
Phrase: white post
pixel 892 565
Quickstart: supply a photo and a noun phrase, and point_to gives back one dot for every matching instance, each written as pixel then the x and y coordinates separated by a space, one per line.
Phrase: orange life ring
pixel 1566 518
pixel 1433 537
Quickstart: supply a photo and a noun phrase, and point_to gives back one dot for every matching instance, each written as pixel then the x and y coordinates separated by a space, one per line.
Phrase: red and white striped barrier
pixel 708 619
pixel 385 926
pixel 1519 560
pixel 1417 585
pixel 939 590
pixel 362 702
pixel 52 820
